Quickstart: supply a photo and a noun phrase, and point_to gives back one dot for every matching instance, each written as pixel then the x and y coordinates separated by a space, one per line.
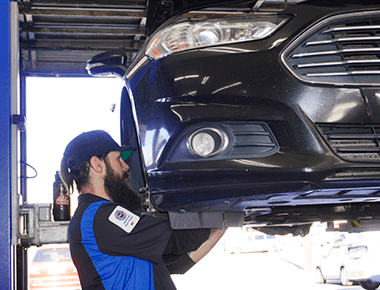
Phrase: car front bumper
pixel 320 132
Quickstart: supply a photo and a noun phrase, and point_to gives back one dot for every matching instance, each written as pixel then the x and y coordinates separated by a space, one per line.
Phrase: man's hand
pixel 206 247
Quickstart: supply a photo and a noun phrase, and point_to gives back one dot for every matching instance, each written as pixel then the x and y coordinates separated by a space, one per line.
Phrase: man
pixel 112 244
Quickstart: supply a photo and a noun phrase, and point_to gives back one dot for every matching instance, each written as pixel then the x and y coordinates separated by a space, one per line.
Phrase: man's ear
pixel 97 164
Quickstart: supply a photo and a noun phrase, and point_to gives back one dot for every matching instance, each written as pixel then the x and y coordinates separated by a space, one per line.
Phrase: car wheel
pixel 369 285
pixel 319 277
pixel 343 278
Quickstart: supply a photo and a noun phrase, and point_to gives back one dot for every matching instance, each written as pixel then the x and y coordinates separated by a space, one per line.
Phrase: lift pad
pixel 37 227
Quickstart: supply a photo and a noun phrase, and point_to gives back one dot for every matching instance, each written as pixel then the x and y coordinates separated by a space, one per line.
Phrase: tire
pixel 369 285
pixel 319 277
pixel 343 278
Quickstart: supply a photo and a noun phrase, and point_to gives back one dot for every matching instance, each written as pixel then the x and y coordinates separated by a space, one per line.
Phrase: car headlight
pixel 195 34
pixel 207 142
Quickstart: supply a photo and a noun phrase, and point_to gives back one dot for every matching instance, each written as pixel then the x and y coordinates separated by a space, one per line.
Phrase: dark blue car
pixel 262 118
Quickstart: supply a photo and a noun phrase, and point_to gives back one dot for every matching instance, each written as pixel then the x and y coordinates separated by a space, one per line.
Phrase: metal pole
pixel 22 279
pixel 23 142
pixel 22 268
pixel 6 249
pixel 22 252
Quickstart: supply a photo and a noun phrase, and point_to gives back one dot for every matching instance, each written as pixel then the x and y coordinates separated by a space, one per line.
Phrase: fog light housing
pixel 206 142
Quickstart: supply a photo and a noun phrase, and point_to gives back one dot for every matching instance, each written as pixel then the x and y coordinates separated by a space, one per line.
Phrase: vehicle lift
pixel 23 224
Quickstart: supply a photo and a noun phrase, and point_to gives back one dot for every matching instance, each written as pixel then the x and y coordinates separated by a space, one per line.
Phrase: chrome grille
pixel 353 143
pixel 341 50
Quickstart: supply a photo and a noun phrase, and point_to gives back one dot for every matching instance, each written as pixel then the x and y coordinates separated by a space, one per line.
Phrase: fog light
pixel 203 144
pixel 207 142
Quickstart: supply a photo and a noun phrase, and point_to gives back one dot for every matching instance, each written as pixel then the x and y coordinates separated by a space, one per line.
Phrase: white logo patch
pixel 124 219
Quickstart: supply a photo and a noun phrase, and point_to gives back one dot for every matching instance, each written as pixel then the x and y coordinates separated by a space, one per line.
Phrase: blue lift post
pixel 6 248
pixel 13 242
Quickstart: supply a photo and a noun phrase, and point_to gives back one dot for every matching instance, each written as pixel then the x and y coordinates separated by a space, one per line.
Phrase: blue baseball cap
pixel 92 143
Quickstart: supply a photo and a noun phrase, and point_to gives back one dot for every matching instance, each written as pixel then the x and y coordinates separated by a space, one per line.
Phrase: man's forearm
pixel 206 247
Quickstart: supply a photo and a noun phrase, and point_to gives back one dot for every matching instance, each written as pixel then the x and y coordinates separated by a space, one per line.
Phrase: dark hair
pixel 78 173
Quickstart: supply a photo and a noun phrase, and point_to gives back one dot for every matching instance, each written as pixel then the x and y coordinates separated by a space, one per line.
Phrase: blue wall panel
pixel 5 127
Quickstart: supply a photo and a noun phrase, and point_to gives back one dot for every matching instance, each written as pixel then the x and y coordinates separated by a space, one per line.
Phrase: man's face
pixel 117 163
pixel 116 184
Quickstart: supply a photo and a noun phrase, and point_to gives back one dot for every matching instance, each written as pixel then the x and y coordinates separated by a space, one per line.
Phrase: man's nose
pixel 125 166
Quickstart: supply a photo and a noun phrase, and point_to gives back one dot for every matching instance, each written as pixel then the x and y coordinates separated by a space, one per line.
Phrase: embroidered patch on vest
pixel 124 219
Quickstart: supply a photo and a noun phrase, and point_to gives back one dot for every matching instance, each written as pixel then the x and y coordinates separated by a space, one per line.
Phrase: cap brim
pixel 125 154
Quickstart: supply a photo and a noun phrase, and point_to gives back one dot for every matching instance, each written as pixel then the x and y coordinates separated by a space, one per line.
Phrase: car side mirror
pixel 109 63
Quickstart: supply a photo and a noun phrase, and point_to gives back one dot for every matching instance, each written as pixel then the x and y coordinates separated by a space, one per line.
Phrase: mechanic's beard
pixel 120 192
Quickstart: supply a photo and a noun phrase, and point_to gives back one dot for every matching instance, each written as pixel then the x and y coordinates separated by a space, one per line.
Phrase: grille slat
pixel 339 63
pixel 254 140
pixel 340 50
pixel 350 73
pixel 344 40
pixel 352 28
pixel 361 143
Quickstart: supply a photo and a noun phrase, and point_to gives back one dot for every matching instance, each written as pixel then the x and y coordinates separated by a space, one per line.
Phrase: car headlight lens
pixel 207 142
pixel 196 34
pixel 209 35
